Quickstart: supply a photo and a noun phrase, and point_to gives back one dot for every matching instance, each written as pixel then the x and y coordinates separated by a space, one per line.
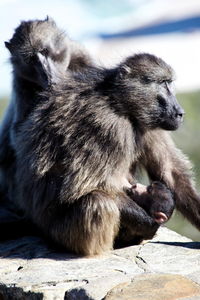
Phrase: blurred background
pixel 110 30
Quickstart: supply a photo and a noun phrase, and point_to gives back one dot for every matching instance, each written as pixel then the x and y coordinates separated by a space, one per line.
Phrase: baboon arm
pixel 164 162
pixel 135 218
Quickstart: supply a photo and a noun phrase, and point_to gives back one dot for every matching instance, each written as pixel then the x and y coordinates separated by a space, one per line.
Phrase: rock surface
pixel 167 268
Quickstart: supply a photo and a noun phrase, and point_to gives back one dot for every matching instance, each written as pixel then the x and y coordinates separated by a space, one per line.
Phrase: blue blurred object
pixel 183 25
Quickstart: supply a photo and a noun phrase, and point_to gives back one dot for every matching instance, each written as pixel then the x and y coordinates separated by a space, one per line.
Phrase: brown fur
pixel 75 150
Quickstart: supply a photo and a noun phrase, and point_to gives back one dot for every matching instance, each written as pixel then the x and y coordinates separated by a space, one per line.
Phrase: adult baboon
pixel 77 150
pixel 32 43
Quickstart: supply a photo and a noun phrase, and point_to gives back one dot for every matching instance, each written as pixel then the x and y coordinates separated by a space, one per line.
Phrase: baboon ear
pixel 50 20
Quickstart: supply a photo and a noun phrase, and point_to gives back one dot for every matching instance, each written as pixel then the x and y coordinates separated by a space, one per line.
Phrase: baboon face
pixel 151 96
pixel 170 112
pixel 32 41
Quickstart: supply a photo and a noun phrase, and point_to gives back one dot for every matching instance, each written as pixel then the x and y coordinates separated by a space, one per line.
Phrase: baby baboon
pixel 156 199
pixel 76 152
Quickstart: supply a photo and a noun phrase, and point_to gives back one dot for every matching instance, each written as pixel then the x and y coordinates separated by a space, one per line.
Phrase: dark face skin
pixel 160 108
pixel 171 113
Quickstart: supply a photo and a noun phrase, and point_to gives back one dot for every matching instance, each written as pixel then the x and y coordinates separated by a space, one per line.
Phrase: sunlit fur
pixel 76 149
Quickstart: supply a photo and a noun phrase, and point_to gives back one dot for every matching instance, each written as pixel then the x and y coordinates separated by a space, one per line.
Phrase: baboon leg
pixel 127 237
pixel 87 227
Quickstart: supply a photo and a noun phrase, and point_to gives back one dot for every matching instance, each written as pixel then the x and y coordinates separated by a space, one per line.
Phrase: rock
pixel 155 287
pixel 167 268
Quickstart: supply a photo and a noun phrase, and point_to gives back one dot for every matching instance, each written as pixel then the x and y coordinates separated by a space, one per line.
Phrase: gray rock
pixel 32 269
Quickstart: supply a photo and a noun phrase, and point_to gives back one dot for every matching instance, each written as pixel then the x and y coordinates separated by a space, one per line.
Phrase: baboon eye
pixel 146 79
pixel 161 101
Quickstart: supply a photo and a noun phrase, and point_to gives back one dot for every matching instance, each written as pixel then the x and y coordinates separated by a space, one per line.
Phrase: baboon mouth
pixel 171 123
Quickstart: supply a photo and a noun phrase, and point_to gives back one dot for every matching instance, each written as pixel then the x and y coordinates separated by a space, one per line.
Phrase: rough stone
pixel 155 287
pixel 167 266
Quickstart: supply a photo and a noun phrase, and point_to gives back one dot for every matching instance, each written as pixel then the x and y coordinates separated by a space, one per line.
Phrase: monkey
pixel 96 197
pixel 156 199
pixel 89 207
pixel 32 41
pixel 32 44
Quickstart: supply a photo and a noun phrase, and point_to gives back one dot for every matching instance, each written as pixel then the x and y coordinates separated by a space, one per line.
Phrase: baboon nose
pixel 180 113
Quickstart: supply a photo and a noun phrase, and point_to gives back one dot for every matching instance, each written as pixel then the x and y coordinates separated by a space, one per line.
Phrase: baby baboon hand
pixel 160 217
